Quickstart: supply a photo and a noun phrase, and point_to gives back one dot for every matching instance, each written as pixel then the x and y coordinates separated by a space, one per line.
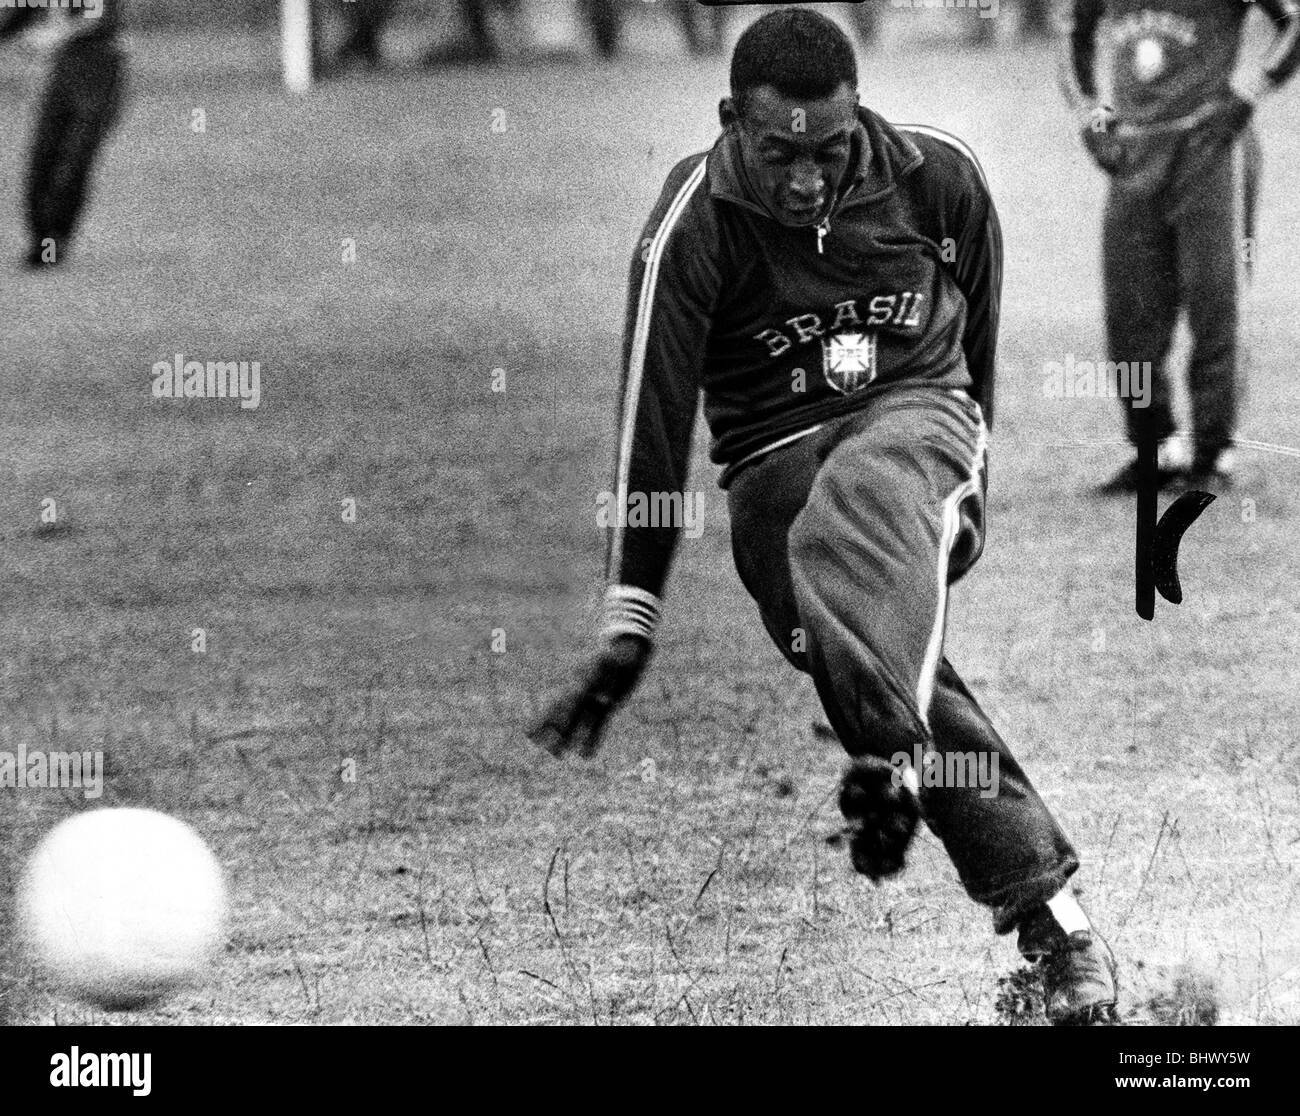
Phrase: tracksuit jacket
pixel 782 329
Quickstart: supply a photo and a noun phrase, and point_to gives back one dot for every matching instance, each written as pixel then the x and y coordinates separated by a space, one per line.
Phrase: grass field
pixel 683 876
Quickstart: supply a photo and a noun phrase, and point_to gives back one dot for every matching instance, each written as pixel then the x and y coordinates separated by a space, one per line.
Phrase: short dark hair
pixel 798 52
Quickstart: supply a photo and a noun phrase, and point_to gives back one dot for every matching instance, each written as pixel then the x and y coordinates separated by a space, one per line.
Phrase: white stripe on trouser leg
pixel 947 540
pixel 1237 218
pixel 1244 264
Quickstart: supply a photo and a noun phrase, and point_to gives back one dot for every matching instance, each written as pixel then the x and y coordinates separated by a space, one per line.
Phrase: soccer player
pixel 81 103
pixel 831 282
pixel 1179 225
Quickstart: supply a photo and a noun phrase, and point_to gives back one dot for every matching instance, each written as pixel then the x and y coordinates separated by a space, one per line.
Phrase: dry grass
pixel 683 876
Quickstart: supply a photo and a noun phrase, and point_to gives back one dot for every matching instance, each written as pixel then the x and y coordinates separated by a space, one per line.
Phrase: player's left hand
pixel 575 721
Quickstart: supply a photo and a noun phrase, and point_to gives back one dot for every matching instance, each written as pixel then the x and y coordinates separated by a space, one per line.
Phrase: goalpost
pixel 295 44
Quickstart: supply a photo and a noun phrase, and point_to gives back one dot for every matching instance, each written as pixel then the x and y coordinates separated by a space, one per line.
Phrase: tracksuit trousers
pixel 1179 236
pixel 848 540
pixel 81 103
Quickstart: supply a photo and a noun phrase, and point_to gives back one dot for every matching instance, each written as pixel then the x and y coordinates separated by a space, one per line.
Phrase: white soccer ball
pixel 123 906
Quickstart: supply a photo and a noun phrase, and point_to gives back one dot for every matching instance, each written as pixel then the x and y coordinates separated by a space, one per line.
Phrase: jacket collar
pixel 882 156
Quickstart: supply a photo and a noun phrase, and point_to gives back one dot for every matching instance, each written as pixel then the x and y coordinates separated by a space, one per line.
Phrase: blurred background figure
pixel 866 20
pixel 1034 23
pixel 476 40
pixel 81 102
pixel 605 22
pixel 365 20
pixel 702 26
pixel 1036 19
pixel 497 31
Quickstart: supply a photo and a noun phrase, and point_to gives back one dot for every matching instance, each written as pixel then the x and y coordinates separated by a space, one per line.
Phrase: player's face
pixel 798 152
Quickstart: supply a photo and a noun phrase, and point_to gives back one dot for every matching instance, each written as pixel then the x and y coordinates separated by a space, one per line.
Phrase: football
pixel 122 906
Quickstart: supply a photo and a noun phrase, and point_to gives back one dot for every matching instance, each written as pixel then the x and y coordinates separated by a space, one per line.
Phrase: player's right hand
pixel 575 722
pixel 1101 138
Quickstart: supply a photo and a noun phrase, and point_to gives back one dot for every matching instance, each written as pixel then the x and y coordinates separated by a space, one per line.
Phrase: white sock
pixel 1067 912
pixel 910 780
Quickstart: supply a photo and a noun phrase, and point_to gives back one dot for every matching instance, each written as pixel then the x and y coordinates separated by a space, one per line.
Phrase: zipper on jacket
pixel 824 225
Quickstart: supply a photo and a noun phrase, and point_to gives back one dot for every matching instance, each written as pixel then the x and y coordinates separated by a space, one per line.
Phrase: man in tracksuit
pixel 81 103
pixel 1179 224
pixel 831 283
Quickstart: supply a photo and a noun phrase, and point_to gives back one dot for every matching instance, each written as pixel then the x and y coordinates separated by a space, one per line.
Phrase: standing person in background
pixel 866 19
pixel 1035 22
pixel 477 41
pixel 366 20
pixel 80 104
pixel 1036 19
pixel 702 26
pixel 605 22
pixel 1183 164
